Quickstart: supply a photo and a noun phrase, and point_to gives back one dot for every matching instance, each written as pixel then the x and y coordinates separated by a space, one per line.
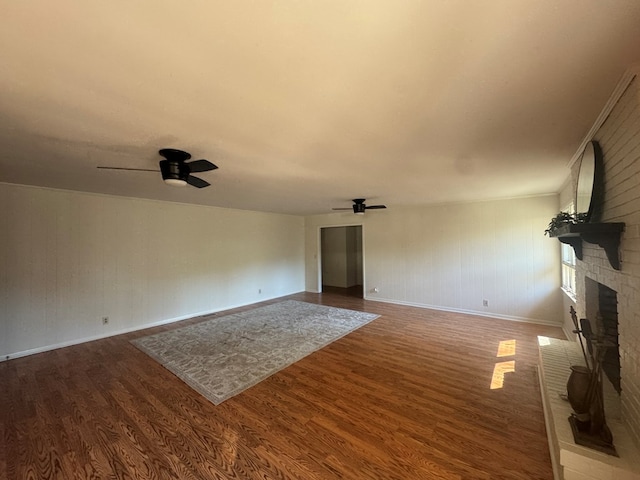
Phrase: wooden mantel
pixel 607 235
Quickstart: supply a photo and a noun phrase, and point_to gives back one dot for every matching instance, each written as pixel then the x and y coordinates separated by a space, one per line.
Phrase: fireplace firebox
pixel 601 306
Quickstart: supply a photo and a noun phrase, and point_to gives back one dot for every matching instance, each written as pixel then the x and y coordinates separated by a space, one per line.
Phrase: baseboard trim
pixel 77 341
pixel 467 312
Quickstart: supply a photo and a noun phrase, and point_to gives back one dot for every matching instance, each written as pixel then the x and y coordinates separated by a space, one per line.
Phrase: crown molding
pixel 621 87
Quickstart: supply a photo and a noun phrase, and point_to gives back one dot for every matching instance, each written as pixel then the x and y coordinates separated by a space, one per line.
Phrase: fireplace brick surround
pixel 617 130
pixel 619 138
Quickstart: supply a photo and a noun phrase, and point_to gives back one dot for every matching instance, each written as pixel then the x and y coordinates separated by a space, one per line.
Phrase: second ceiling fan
pixel 359 206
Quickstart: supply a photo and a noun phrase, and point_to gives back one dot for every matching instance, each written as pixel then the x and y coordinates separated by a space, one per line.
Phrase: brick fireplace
pixel 614 295
pixel 619 138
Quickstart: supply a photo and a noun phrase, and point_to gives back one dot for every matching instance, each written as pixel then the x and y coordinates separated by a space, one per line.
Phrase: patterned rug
pixel 221 357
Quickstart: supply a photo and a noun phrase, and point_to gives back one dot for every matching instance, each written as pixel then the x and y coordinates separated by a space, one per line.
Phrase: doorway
pixel 342 260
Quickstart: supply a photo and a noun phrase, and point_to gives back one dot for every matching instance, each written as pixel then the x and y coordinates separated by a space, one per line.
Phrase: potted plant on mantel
pixel 562 219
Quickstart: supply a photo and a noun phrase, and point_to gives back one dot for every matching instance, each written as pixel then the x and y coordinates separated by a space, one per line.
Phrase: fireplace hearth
pixel 570 460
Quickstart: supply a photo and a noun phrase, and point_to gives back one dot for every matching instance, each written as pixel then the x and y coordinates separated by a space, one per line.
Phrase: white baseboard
pixel 77 341
pixel 467 312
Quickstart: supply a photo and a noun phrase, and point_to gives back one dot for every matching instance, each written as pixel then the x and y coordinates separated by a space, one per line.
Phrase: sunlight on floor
pixel 499 370
pixel 506 348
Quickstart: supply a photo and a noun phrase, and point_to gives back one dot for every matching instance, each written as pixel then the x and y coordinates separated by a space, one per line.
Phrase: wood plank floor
pixel 407 396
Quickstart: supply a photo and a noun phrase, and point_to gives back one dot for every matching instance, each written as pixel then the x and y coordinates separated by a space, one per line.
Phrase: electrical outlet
pixel 485 303
pixel 105 320
pixel 259 290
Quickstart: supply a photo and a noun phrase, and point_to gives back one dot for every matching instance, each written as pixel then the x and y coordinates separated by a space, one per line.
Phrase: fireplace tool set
pixel 584 391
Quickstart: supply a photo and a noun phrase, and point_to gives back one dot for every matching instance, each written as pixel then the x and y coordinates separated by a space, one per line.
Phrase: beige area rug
pixel 223 356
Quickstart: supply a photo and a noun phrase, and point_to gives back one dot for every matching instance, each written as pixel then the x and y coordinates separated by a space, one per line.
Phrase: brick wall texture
pixel 619 138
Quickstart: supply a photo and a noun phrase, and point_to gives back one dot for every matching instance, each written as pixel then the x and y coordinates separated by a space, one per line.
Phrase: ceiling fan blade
pixel 201 166
pixel 132 169
pixel 371 207
pixel 197 182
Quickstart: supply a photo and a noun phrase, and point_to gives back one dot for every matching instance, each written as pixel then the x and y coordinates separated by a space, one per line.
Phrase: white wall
pixel 453 257
pixel 68 258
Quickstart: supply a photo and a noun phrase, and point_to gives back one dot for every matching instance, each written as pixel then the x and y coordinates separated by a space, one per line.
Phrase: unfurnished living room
pixel 320 240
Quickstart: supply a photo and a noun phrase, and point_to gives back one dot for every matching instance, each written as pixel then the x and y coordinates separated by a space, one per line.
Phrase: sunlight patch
pixel 506 348
pixel 497 380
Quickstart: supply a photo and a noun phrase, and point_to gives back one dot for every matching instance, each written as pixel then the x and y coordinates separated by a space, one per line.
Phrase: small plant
pixel 564 218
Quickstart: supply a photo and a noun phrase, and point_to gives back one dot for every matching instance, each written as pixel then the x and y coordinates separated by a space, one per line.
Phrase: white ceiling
pixel 306 104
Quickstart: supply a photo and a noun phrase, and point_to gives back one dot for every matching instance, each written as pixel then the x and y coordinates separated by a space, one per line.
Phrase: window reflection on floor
pixel 506 348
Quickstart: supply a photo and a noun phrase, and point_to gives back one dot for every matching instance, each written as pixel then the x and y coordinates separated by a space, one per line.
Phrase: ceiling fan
pixel 359 206
pixel 175 169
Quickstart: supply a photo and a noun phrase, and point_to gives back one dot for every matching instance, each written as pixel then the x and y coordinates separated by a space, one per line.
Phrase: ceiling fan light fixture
pixel 174 172
pixel 175 182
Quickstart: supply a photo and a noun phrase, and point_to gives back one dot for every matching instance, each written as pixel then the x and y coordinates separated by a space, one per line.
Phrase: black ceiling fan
pixel 359 206
pixel 176 170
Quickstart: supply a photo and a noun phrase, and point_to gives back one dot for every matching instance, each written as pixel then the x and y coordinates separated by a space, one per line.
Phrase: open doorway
pixel 341 260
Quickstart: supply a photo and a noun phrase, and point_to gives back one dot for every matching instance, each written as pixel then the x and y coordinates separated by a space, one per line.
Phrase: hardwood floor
pixel 405 397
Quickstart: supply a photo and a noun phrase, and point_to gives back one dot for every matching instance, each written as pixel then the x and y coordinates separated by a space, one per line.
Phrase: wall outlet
pixel 259 290
pixel 485 303
pixel 105 320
